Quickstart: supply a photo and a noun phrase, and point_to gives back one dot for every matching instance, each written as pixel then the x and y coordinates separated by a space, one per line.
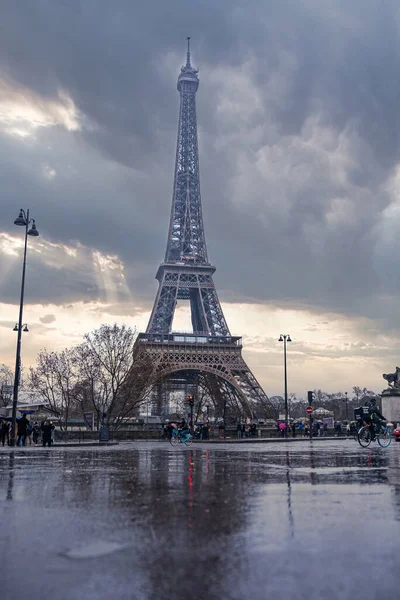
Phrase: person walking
pixel 36 433
pixel 46 433
pixel 22 425
pixel 239 430
pixel 28 436
pixel 282 427
pixel 5 433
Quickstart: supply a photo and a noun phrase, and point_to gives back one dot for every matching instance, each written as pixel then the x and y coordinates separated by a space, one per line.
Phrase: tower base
pixel 214 363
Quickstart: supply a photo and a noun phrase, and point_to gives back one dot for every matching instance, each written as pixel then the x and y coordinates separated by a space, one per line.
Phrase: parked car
pixel 396 434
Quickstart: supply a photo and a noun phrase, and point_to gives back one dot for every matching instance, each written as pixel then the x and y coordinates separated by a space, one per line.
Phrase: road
pixel 147 521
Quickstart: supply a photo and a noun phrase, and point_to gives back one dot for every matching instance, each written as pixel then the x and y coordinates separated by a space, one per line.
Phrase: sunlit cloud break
pixel 22 111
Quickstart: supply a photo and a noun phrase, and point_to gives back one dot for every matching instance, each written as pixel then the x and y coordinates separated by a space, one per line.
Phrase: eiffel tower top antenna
pixel 188 65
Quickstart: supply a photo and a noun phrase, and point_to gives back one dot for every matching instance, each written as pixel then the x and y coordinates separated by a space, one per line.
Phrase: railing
pixel 78 436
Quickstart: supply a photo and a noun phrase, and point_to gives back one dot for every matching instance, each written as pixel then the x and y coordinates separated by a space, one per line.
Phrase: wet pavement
pixel 145 520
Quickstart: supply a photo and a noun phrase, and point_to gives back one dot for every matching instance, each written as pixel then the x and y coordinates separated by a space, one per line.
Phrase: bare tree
pixel 54 379
pixel 108 379
pixel 278 406
pixel 6 379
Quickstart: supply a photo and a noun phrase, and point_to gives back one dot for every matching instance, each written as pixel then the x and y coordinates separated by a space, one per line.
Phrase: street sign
pixel 7 389
pixel 309 410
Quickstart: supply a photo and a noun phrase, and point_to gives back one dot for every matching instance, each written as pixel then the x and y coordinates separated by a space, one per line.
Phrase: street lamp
pixel 347 413
pixel 22 220
pixel 284 337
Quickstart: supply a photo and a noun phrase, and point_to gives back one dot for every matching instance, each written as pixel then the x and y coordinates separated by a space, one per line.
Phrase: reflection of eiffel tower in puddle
pixel 209 356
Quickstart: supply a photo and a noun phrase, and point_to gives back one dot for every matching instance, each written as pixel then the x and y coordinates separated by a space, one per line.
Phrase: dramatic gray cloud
pixel 299 148
pixel 47 319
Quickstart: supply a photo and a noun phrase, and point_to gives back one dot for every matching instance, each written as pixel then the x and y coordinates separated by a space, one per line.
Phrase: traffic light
pixel 190 400
pixel 310 395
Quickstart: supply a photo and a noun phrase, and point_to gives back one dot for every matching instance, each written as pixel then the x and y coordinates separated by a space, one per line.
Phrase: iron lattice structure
pixel 186 274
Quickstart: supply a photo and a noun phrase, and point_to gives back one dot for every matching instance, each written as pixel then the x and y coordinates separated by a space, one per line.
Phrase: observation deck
pixel 182 337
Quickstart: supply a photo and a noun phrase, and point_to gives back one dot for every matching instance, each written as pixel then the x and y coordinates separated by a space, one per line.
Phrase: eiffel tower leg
pixel 164 307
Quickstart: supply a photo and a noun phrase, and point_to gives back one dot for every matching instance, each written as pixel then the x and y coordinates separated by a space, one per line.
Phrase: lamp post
pixel 285 337
pixel 191 403
pixel 347 413
pixel 22 220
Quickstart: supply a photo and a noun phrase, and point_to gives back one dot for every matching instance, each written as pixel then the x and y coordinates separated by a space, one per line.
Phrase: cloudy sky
pixel 298 115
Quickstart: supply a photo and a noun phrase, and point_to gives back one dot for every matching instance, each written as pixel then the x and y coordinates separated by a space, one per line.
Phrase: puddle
pixel 94 550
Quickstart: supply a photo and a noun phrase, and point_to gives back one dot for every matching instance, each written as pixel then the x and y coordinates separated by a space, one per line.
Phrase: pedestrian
pixel 22 425
pixel 36 433
pixel 282 428
pixel 221 429
pixel 5 433
pixel 46 433
pixel 239 430
pixel 28 436
pixel 301 428
pixel 243 430
pixel 294 429
pixel 325 429
pixel 53 433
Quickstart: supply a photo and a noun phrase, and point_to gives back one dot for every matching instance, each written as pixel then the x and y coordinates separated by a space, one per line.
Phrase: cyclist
pixel 375 416
pixel 183 427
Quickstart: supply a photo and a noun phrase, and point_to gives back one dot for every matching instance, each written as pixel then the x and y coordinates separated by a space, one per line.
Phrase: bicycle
pixel 383 436
pixel 181 437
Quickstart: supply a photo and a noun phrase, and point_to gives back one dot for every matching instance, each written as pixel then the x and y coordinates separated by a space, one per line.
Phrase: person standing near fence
pixel 239 430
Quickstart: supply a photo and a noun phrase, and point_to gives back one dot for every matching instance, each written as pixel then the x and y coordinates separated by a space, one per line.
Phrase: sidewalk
pixel 63 445
pixel 259 440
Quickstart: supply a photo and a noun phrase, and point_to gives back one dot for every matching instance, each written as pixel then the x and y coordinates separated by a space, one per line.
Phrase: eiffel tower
pixel 210 355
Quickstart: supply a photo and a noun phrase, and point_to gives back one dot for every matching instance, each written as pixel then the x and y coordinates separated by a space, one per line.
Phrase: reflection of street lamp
pixel 24 221
pixel 284 337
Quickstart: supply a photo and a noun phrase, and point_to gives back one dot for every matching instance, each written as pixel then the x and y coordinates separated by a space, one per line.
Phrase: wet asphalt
pixel 145 520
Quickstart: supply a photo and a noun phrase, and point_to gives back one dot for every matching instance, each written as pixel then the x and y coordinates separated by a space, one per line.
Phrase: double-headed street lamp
pixel 22 220
pixel 284 337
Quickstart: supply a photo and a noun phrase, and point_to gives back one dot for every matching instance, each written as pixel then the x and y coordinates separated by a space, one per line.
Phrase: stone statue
pixel 393 379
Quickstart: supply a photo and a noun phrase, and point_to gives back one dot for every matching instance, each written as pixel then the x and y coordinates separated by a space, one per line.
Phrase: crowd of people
pixel 28 433
pixel 244 430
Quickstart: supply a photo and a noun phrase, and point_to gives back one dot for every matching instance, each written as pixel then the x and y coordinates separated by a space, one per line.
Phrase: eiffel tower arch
pixel 209 354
